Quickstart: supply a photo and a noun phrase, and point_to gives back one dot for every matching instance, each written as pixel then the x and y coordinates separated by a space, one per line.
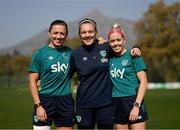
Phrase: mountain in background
pixel 104 24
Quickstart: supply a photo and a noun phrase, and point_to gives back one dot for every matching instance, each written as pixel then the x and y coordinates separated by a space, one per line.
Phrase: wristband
pixel 37 105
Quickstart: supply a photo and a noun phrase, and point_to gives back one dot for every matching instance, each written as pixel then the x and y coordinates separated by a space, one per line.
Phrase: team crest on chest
pixel 103 55
pixel 65 56
pixel 124 62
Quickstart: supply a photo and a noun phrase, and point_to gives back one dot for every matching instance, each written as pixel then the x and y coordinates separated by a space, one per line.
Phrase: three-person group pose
pixel 112 81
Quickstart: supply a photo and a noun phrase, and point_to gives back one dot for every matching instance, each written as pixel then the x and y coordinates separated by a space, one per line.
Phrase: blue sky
pixel 22 19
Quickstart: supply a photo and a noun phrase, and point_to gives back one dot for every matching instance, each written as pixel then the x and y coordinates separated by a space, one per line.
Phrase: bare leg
pixel 138 126
pixel 122 127
pixel 63 128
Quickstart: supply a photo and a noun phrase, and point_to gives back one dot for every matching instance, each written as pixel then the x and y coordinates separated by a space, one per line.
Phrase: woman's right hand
pixel 41 113
pixel 38 83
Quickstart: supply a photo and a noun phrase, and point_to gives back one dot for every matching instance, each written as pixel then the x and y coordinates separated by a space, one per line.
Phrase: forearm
pixel 141 91
pixel 142 87
pixel 34 94
pixel 33 88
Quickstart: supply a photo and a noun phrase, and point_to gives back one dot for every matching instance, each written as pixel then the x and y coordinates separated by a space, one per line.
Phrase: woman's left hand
pixel 134 114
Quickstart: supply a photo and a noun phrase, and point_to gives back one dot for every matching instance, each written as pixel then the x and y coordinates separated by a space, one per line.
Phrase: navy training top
pixel 92 67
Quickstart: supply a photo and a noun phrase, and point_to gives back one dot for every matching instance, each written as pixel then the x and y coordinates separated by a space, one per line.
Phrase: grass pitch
pixel 16 108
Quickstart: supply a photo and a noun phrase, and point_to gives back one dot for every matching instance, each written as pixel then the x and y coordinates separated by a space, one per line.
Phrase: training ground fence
pixel 15 81
pixel 22 81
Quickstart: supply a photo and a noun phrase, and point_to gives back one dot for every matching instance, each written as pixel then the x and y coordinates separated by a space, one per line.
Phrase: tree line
pixel 159 38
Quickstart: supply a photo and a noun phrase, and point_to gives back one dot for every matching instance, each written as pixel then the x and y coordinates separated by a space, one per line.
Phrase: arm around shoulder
pixel 136 51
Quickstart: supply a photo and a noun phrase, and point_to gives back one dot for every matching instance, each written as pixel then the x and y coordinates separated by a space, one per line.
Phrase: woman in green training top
pixel 128 75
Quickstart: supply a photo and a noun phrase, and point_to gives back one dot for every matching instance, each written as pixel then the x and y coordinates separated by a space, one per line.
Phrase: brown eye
pixel 83 32
pixel 118 40
pixel 55 32
pixel 112 41
pixel 62 33
pixel 91 31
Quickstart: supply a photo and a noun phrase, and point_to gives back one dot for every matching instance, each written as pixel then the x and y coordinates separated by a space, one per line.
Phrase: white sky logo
pixel 117 73
pixel 59 67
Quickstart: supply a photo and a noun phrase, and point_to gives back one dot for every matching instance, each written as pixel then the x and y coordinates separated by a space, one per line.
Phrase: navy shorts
pixel 91 116
pixel 123 107
pixel 59 109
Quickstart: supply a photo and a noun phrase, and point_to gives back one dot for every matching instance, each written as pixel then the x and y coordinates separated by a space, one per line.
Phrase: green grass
pixel 163 108
pixel 16 108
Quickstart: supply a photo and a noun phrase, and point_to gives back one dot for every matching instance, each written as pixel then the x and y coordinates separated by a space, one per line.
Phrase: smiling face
pixel 57 34
pixel 87 32
pixel 117 42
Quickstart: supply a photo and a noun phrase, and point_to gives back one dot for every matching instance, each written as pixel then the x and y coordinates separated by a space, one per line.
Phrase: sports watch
pixel 37 105
pixel 137 104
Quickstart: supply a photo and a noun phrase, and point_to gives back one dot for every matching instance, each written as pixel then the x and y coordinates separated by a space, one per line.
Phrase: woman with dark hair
pixel 52 99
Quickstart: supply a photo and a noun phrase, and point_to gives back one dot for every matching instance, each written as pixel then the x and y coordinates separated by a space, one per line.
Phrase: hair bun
pixel 116 26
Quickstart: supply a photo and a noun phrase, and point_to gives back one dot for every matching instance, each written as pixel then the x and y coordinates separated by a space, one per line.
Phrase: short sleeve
pixel 139 64
pixel 35 63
